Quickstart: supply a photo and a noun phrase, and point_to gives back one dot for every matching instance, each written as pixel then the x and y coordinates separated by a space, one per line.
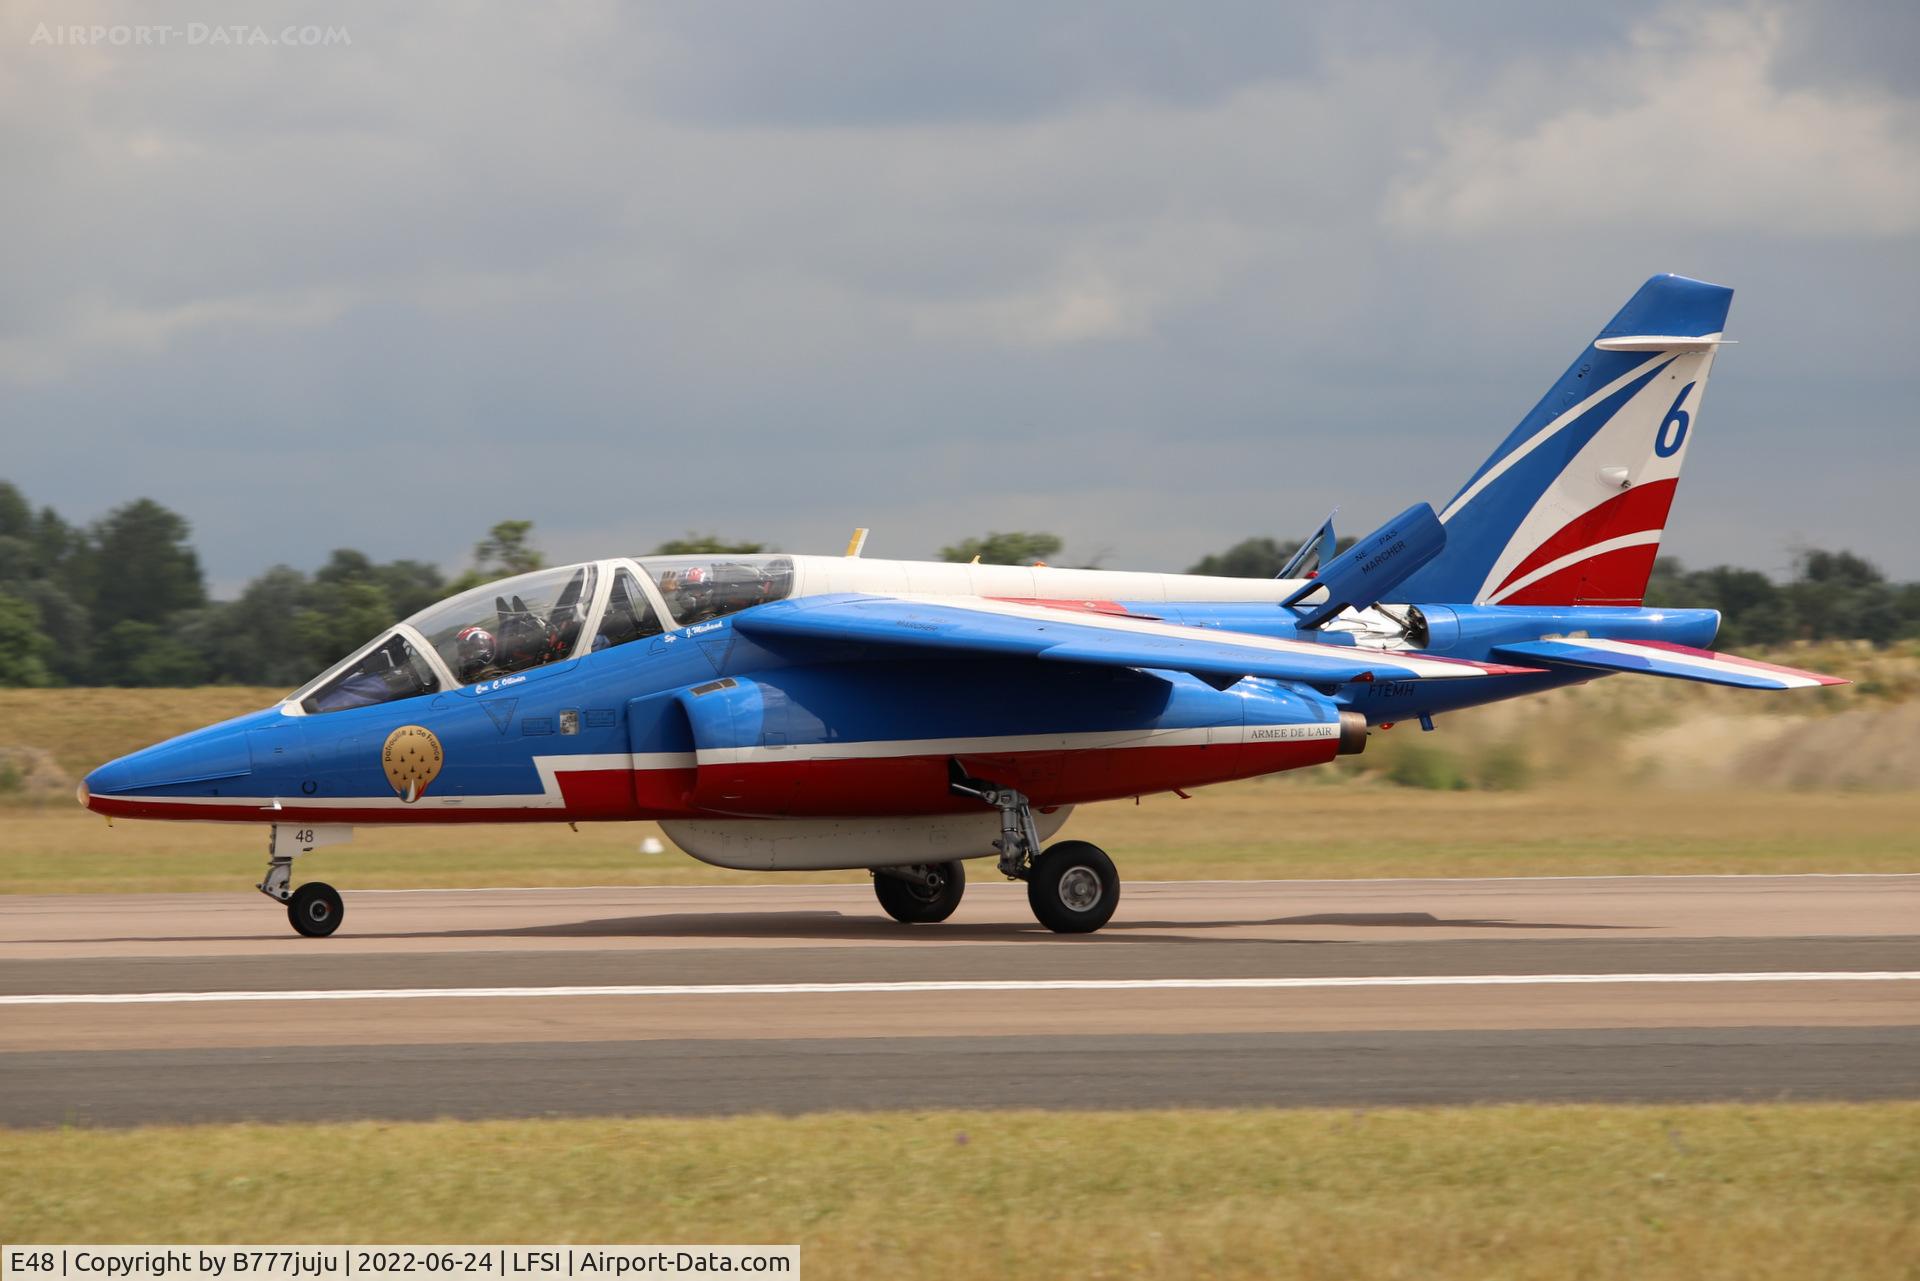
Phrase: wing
pixel 1068 633
pixel 1658 658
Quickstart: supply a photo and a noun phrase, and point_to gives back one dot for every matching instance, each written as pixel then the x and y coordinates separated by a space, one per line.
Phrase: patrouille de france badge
pixel 412 759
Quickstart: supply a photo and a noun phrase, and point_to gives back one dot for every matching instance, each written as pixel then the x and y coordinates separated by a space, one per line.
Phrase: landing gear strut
pixel 1072 887
pixel 315 909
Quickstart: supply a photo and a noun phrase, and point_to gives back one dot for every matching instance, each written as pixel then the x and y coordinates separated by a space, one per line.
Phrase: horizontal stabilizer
pixel 1658 658
pixel 1364 573
pixel 962 627
pixel 1662 342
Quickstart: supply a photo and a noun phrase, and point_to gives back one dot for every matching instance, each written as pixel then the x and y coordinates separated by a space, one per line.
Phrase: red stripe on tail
pixel 1641 508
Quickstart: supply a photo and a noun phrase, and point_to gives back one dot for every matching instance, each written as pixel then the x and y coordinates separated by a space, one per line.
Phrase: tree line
pixel 124 601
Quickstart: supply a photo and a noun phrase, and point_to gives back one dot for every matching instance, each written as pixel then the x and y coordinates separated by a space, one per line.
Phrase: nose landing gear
pixel 315 909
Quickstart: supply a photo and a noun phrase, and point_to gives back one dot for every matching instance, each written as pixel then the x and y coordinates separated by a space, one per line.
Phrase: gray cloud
pixel 1153 280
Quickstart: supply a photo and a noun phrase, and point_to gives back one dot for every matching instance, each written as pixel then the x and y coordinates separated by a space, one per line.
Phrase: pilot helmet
pixel 696 585
pixel 476 648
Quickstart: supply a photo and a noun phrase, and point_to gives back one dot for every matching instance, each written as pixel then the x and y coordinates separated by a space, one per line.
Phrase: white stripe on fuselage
pixel 1094 741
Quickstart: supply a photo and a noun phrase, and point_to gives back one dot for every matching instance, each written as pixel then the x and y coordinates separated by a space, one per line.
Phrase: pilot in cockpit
pixel 477 652
pixel 691 594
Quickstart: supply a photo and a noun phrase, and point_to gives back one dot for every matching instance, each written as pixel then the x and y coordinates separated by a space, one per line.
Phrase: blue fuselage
pixel 704 721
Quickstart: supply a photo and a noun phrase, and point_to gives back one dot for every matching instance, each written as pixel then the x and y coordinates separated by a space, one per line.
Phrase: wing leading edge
pixel 1071 634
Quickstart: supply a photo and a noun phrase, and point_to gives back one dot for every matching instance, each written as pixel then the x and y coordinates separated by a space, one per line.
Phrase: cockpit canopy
pixel 543 617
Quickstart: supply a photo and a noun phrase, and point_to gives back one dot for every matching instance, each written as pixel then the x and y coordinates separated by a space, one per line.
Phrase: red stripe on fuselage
pixel 867 786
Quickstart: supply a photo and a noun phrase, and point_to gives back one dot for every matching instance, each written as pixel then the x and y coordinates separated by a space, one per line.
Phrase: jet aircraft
pixel 776 712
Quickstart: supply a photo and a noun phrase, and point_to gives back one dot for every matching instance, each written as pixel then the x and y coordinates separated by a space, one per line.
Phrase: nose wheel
pixel 315 910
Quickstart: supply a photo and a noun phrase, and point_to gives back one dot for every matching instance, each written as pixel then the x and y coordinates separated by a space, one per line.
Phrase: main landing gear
pixel 922 893
pixel 315 909
pixel 1072 887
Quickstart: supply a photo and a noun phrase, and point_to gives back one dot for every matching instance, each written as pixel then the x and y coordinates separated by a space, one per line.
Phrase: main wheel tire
pixel 912 904
pixel 315 909
pixel 1073 888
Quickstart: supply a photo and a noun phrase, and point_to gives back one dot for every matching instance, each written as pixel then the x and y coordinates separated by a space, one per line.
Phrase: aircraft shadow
pixel 838 925
pixel 828 925
pixel 1419 920
pixel 833 925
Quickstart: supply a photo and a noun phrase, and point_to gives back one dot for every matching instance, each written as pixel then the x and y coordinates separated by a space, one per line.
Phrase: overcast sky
pixel 1152 276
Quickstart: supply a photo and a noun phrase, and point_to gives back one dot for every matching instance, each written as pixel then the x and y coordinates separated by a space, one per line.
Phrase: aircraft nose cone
pixel 193 758
pixel 109 779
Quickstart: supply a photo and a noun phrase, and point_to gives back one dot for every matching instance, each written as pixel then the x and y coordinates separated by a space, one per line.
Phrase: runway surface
pixel 122 1010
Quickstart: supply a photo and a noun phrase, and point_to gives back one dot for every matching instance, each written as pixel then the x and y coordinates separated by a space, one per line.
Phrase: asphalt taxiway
pixel 118 1010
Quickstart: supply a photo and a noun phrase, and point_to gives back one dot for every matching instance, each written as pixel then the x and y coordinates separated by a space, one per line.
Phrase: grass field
pixel 1240 831
pixel 1793 1190
pixel 81 728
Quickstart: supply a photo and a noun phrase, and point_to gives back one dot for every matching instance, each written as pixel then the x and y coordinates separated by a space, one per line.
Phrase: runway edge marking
pixel 952 985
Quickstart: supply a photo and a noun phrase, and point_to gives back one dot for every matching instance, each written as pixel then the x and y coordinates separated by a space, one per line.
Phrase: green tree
pixel 1012 548
pixel 16 517
pixel 411 585
pixel 143 567
pixel 706 545
pixel 65 626
pixel 137 653
pixel 1256 558
pixel 338 618
pixel 1248 558
pixel 18 559
pixel 507 550
pixel 257 639
pixel 56 544
pixel 1753 609
pixel 24 644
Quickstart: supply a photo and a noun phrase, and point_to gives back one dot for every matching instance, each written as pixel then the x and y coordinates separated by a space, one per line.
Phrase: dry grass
pixel 83 728
pixel 1505 1192
pixel 1241 831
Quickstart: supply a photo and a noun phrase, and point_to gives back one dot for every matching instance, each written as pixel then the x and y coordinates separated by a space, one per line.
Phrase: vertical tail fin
pixel 1570 509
